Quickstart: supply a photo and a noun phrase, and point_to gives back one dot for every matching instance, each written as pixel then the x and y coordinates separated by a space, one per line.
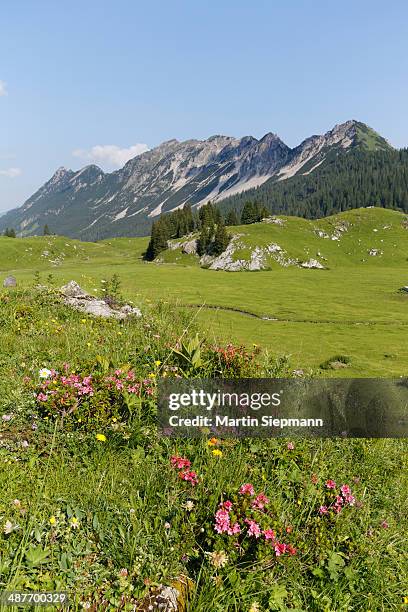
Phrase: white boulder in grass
pixel 74 296
pixel 312 263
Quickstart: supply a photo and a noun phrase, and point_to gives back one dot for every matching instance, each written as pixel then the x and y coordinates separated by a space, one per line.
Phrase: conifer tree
pixel 221 240
pixel 232 218
pixel 204 240
pixel 249 213
pixel 158 240
pixel 263 213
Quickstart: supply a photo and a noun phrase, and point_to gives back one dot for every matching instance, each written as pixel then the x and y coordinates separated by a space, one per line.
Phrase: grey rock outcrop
pixel 259 258
pixel 274 220
pixel 10 281
pixel 312 263
pixel 75 297
pixel 189 247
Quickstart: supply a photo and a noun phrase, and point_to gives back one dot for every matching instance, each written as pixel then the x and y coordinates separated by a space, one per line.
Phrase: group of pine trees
pixel 171 225
pixel 253 212
pixel 10 232
pixel 213 237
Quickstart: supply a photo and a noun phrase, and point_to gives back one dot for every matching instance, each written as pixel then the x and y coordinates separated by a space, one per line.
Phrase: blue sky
pixel 127 74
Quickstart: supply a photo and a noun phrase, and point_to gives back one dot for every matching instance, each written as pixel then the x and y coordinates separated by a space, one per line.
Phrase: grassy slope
pixel 352 308
pixel 123 492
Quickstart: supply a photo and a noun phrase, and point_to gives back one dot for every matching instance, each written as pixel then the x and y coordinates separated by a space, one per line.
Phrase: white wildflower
pixel 44 373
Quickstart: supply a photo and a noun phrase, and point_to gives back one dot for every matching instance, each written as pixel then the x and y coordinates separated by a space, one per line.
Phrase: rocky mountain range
pixel 91 204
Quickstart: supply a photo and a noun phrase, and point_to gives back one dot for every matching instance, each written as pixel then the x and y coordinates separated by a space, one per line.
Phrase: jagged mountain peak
pixel 357 133
pixel 346 125
pixel 60 174
pixel 313 151
pixel 90 171
pixel 270 137
pixel 61 171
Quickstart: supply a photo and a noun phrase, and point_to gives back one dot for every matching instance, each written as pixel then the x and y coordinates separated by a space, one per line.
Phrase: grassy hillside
pixel 345 239
pixel 352 308
pixel 49 252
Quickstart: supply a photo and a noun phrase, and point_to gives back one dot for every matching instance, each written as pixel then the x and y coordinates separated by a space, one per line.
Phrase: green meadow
pixel 95 503
pixel 354 307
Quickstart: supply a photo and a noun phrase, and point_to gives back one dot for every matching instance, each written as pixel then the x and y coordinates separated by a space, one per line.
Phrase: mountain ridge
pixel 92 204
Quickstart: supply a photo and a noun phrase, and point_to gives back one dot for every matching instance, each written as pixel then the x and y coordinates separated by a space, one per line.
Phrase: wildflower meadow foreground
pixel 96 504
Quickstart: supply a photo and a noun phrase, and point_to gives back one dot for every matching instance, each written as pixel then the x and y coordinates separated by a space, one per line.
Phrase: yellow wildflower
pixel 217 452
pixel 100 437
pixel 53 520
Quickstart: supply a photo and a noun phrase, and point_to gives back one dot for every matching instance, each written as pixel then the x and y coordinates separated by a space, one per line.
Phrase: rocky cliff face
pixel 91 204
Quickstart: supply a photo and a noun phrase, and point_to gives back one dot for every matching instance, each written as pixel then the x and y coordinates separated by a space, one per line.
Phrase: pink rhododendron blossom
pixel 280 549
pixel 323 510
pixel 179 462
pixel 42 397
pixel 235 529
pixel 260 501
pixel 247 489
pixel 345 490
pixel 350 499
pixel 189 476
pixel 253 528
pixel 269 534
pixel 290 446
pixel 133 388
pixel 330 484
pixel 222 521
